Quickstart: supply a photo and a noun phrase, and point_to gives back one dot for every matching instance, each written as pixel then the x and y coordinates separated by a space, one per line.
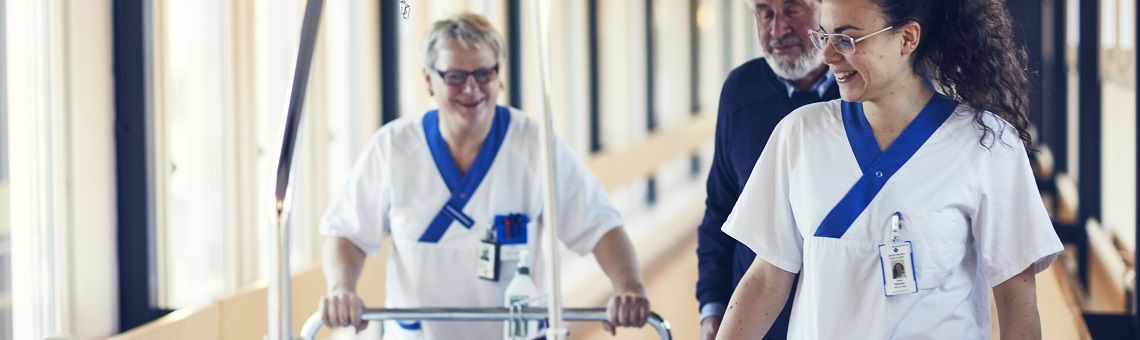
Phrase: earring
pixel 431 93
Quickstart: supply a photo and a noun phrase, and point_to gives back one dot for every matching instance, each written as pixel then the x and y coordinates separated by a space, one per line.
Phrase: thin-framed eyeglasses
pixel 458 78
pixel 842 42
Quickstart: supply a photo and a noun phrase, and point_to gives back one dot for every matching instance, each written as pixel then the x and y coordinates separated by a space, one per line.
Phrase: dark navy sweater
pixel 752 101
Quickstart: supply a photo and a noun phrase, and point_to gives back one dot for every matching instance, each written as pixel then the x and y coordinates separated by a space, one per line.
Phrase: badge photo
pixel 897 263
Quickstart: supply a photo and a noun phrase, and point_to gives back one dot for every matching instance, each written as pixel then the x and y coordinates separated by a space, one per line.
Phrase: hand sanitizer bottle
pixel 519 290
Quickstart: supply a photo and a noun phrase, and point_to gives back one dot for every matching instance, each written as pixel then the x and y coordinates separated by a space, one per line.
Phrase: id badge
pixel 488 260
pixel 897 263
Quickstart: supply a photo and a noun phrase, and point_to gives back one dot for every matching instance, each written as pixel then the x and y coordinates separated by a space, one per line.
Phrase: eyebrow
pixel 840 29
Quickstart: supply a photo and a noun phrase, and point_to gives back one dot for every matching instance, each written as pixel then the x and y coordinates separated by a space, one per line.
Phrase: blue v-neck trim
pixel 862 137
pixel 878 167
pixel 444 162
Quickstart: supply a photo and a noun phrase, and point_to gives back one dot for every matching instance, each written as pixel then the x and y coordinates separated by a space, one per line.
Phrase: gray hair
pixel 467 29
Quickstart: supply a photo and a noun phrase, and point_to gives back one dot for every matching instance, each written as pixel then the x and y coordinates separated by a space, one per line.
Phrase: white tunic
pixel 395 189
pixel 973 214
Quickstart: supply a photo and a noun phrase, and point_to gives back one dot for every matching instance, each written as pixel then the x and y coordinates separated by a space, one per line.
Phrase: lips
pixel 785 43
pixel 470 105
pixel 784 48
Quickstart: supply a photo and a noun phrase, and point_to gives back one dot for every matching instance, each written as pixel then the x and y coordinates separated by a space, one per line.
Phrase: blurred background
pixel 139 138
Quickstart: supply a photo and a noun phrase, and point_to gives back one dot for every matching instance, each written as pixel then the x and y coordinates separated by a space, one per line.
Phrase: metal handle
pixel 279 286
pixel 309 331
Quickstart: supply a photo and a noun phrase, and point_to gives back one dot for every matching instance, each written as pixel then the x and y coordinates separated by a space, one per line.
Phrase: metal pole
pixel 309 331
pixel 554 282
pixel 279 306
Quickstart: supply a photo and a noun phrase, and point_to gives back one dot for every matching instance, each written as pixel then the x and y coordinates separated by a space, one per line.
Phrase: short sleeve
pixel 762 218
pixel 359 212
pixel 585 212
pixel 1010 225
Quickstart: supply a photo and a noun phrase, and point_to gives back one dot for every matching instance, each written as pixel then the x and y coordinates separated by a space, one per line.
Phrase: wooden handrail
pixel 621 167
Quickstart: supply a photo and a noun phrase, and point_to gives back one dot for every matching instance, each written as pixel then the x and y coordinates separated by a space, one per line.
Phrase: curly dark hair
pixel 967 48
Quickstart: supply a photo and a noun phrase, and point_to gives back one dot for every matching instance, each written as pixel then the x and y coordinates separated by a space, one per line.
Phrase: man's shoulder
pixel 753 73
pixel 751 81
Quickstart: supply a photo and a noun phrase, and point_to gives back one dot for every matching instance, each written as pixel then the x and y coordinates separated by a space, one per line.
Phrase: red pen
pixel 507 227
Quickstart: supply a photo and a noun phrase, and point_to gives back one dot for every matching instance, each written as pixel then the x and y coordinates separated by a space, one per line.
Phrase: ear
pixel 911 33
pixel 427 81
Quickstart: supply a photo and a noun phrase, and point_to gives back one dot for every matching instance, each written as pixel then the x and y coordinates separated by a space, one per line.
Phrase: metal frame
pixel 595 74
pixel 314 323
pixel 694 59
pixel 1028 31
pixel 1089 145
pixel 514 53
pixel 134 136
pixel 1055 79
pixel 650 92
pixel 650 66
pixel 389 60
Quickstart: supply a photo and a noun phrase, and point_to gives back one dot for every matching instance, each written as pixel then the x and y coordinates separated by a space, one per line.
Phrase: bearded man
pixel 754 98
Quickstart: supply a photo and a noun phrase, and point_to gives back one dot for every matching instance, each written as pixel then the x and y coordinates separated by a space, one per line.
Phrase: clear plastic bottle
pixel 519 292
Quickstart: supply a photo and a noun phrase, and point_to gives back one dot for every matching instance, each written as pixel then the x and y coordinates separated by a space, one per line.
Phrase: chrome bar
pixel 314 324
pixel 279 305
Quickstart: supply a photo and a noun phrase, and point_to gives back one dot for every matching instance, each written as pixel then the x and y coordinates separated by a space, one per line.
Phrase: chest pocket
pixel 939 244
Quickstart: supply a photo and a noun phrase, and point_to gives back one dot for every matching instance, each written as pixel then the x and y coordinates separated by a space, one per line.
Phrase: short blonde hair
pixel 467 29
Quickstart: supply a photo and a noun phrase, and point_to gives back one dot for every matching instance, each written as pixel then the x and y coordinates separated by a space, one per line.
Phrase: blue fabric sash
pixel 879 166
pixel 462 186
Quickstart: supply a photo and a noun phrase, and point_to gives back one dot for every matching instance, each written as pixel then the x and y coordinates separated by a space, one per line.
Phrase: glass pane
pixel 1127 25
pixel 352 70
pixel 1108 26
pixel 277 26
pixel 193 112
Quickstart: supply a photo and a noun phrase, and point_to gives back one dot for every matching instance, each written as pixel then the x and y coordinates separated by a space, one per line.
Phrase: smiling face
pixel 471 103
pixel 782 27
pixel 880 62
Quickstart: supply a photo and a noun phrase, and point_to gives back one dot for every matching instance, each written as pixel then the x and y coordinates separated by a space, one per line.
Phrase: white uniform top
pixel 395 189
pixel 973 213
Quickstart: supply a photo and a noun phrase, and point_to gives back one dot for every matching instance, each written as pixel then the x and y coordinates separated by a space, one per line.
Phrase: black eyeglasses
pixel 457 78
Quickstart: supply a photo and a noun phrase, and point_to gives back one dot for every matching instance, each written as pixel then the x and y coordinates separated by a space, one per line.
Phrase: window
pixel 1118 120
pixel 222 74
pixel 193 157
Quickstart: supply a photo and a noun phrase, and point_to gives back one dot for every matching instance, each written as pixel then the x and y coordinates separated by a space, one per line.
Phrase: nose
pixel 779 26
pixel 470 86
pixel 831 55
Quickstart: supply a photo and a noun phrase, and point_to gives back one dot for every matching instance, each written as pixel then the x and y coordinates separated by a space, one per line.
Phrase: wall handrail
pixel 279 304
pixel 314 323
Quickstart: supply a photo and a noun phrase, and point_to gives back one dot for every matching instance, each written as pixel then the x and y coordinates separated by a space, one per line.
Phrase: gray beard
pixel 792 68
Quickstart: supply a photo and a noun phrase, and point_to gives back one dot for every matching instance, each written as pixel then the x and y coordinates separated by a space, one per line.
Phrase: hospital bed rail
pixel 314 323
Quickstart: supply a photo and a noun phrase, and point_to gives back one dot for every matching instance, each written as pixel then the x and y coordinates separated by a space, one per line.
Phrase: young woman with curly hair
pixel 923 161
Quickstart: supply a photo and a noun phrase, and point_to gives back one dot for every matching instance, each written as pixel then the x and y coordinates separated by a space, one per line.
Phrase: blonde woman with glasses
pixel 922 162
pixel 448 182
